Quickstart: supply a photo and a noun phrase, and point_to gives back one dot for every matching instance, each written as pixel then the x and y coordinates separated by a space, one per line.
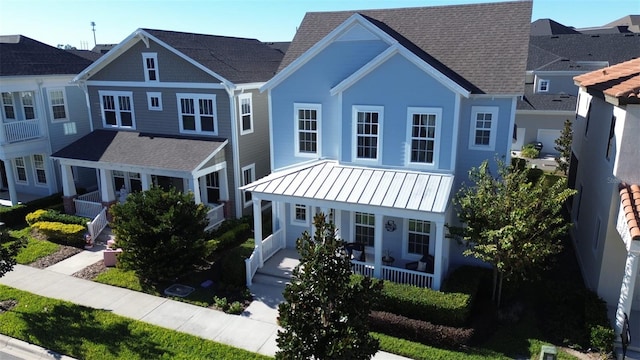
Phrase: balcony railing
pixel 21 130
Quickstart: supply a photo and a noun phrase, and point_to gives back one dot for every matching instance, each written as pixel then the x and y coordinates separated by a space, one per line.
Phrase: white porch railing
pixel 394 274
pixel 21 130
pixel 215 216
pixel 270 246
pixel 98 224
pixel 88 205
pixel 93 196
pixel 251 266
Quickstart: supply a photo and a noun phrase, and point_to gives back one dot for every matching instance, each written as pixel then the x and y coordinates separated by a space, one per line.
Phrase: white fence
pixel 394 274
pixel 270 246
pixel 21 130
pixel 215 216
pixel 98 224
pixel 251 265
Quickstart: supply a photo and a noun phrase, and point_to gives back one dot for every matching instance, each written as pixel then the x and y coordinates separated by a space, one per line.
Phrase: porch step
pixel 268 279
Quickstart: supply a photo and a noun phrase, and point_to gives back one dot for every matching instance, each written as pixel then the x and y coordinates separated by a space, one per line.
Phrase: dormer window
pixel 543 85
pixel 150 65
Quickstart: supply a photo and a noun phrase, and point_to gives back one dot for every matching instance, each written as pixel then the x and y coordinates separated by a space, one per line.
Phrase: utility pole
pixel 93 28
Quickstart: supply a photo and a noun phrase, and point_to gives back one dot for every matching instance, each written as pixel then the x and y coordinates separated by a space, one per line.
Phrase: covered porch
pixel 395 217
pixel 126 162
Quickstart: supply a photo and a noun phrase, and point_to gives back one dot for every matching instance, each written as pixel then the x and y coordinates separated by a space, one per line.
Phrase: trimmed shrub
pixel 529 151
pixel 14 216
pixel 233 268
pixel 419 331
pixel 233 237
pixel 34 217
pixel 54 216
pixel 59 233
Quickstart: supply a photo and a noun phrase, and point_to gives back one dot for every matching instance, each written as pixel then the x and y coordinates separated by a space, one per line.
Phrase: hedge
pixel 64 234
pixel 233 237
pixel 14 216
pixel 54 216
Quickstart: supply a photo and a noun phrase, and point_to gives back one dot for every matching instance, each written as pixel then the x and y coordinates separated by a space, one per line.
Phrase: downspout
pixel 235 149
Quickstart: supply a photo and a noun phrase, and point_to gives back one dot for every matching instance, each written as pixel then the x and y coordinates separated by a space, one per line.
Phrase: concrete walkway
pixel 259 319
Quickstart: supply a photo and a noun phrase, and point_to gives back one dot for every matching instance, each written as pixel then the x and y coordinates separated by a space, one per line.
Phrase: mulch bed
pixel 7 305
pixel 63 253
pixel 91 271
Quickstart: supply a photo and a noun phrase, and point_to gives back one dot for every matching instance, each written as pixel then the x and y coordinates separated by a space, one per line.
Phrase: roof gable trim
pixel 397 49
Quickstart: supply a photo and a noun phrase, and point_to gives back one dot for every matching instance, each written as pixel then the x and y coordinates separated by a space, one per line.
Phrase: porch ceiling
pixel 329 181
pixel 107 147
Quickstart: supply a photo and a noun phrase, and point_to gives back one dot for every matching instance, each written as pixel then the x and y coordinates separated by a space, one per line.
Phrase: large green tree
pixel 160 232
pixel 325 314
pixel 9 248
pixel 510 222
pixel 563 147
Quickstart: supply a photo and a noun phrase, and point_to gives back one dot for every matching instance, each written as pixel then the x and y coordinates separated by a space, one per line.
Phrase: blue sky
pixel 68 21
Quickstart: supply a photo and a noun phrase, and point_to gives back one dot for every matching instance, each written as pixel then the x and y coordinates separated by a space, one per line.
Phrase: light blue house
pixel 376 118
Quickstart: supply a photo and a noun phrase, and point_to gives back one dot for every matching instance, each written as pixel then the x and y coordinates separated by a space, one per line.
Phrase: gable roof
pixel 550 27
pixel 619 84
pixel 488 55
pixel 20 55
pixel 546 101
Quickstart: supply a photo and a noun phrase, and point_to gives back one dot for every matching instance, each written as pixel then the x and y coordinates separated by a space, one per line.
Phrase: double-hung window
pixel 8 110
pixel 39 166
pixel 543 85
pixel 246 113
pixel 213 187
pixel 154 101
pixel 197 113
pixel 150 64
pixel 423 133
pixel 57 104
pixel 307 129
pixel 20 170
pixel 248 176
pixel 484 121
pixel 367 131
pixel 299 214
pixel 364 228
pixel 117 109
pixel 28 105
pixel 418 237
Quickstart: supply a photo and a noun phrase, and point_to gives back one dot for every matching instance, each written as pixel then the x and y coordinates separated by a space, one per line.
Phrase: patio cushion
pixel 356 254
pixel 422 266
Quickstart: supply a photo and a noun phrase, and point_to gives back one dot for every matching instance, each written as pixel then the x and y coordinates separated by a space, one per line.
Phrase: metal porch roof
pixel 330 181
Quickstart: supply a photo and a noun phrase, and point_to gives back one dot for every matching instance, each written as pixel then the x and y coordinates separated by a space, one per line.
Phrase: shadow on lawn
pixel 85 329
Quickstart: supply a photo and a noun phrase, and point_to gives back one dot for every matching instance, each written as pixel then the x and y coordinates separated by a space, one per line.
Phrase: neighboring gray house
pixel 550 94
pixel 175 109
pixel 42 112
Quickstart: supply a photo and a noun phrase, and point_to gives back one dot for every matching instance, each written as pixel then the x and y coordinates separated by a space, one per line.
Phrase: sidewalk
pixel 259 319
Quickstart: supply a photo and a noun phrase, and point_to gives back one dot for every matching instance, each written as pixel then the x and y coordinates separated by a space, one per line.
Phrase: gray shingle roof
pixel 139 149
pixel 20 55
pixel 550 27
pixel 547 102
pixel 486 44
pixel 238 60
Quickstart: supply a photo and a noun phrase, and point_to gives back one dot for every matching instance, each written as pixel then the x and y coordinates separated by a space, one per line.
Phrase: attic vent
pixel 595 36
pixel 557 100
pixel 564 59
pixel 629 35
pixel 555 37
pixel 564 96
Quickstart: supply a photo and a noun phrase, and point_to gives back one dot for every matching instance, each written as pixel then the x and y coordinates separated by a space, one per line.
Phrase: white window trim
pixel 353 228
pixel 154 56
pixel 436 141
pixel 252 167
pixel 64 99
pixel 296 135
pixel 297 222
pixel 246 96
pixel 115 94
pixel 15 171
pixel 405 242
pixel 541 82
pixel 475 110
pixel 197 97
pixel 12 105
pixel 23 106
pixel 354 137
pixel 35 170
pixel 151 95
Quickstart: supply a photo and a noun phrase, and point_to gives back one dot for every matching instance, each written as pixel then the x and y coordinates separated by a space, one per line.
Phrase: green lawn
pixel 86 333
pixel 34 249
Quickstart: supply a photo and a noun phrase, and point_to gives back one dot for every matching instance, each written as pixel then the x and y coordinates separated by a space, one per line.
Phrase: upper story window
pixel 423 134
pixel 543 85
pixel 117 109
pixel 150 63
pixel 307 126
pixel 367 122
pixel 484 120
pixel 57 105
pixel 248 176
pixel 41 173
pixel 8 109
pixel 28 105
pixel 246 113
pixel 154 101
pixel 197 113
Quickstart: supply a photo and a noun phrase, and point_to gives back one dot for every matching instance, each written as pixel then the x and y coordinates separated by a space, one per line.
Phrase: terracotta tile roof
pixel 630 203
pixel 620 81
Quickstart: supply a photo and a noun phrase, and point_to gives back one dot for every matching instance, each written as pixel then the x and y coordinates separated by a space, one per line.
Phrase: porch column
pixel 107 194
pixel 377 246
pixel 68 189
pixel 438 256
pixel 626 291
pixel 194 186
pixel 145 181
pixel 257 227
pixel 282 208
pixel 11 181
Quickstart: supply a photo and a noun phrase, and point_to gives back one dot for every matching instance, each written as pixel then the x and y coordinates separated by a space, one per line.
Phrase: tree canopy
pixel 511 222
pixel 325 314
pixel 563 146
pixel 9 248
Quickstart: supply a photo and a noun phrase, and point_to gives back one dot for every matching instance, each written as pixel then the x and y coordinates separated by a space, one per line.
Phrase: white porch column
pixel 68 185
pixel 438 261
pixel 282 226
pixel 145 181
pixel 257 227
pixel 193 185
pixel 11 181
pixel 106 186
pixel 377 246
pixel 626 291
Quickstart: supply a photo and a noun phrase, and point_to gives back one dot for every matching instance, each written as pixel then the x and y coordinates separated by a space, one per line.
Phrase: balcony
pixel 17 131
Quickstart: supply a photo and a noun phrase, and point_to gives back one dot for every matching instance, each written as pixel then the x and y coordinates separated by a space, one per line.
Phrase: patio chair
pixel 424 265
pixel 356 251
